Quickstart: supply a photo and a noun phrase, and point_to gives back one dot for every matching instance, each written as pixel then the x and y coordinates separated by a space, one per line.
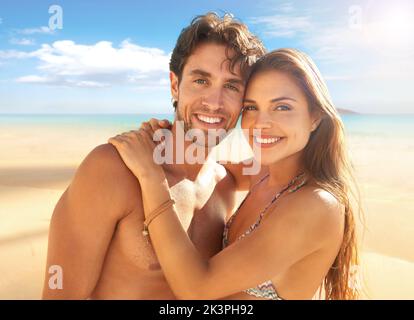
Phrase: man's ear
pixel 174 85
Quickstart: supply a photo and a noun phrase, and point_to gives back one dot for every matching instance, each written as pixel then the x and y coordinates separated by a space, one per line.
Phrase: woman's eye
pixel 249 108
pixel 200 81
pixel 283 108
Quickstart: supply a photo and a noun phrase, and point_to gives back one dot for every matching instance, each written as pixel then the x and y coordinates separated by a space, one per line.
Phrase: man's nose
pixel 214 99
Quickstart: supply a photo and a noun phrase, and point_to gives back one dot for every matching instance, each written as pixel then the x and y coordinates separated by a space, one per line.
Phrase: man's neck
pixel 180 147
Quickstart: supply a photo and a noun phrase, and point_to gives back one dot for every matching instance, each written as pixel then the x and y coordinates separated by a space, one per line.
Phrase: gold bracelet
pixel 156 213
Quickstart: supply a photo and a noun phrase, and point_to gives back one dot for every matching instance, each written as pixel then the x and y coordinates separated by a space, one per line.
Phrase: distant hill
pixel 346 111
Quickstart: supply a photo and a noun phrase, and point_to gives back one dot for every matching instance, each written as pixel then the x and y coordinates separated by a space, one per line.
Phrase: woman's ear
pixel 315 123
pixel 174 85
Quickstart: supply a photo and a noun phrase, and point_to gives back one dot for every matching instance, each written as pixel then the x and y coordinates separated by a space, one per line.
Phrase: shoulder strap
pixel 277 196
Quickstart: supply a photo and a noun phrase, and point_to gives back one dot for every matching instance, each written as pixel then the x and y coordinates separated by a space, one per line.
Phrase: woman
pixel 295 230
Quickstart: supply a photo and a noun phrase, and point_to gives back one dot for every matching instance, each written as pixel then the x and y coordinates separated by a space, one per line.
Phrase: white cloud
pixel 283 25
pixel 41 30
pixel 32 79
pixel 14 54
pixel 367 59
pixel 90 84
pixel 68 58
pixel 58 81
pixel 341 43
pixel 66 63
pixel 383 39
pixel 22 42
pixel 286 7
pixel 338 78
pixel 282 20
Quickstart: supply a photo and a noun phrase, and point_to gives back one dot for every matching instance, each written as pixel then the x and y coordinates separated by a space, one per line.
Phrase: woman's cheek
pixel 303 139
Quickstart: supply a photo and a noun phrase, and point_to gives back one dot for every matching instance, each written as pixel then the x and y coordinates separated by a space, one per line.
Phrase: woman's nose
pixel 262 121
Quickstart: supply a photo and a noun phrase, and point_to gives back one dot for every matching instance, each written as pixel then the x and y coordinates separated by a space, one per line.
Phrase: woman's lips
pixel 267 141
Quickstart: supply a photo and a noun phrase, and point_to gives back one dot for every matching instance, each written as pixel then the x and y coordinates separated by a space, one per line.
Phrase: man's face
pixel 209 96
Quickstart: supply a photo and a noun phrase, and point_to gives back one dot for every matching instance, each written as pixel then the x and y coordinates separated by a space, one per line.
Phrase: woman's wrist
pixel 151 176
pixel 155 193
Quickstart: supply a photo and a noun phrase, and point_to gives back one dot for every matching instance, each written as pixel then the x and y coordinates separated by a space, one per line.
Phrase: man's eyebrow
pixel 236 81
pixel 206 74
pixel 273 100
pixel 200 73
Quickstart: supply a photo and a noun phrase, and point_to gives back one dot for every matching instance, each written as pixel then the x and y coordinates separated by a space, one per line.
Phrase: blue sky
pixel 112 56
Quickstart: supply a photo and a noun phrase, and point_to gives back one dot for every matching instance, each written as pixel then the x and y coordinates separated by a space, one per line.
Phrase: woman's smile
pixel 267 141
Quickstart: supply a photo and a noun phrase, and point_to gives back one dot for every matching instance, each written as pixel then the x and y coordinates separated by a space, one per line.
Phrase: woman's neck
pixel 283 171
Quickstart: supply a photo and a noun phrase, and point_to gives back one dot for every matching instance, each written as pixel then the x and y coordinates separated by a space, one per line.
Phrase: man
pixel 95 236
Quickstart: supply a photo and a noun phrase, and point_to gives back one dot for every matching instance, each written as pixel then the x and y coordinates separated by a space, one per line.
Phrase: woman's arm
pixel 298 229
pixel 283 239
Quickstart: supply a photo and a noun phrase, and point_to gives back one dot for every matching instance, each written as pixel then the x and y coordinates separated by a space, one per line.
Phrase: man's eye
pixel 249 108
pixel 231 87
pixel 200 81
pixel 283 108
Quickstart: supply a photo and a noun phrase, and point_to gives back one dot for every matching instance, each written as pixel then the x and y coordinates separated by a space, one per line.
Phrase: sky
pixel 112 56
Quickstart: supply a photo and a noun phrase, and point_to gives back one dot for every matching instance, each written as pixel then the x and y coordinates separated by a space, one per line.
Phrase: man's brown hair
pixel 226 30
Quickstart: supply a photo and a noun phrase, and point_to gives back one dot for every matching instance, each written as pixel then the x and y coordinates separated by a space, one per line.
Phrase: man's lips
pixel 209 120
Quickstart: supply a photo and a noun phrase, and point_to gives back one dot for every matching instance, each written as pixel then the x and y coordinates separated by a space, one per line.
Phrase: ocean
pixel 386 126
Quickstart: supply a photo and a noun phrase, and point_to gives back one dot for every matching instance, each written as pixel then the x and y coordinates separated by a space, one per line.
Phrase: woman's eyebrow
pixel 272 100
pixel 282 98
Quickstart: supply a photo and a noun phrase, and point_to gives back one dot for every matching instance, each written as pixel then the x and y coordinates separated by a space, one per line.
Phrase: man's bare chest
pixel 194 207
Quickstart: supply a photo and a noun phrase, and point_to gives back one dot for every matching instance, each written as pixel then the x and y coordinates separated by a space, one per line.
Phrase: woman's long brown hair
pixel 326 160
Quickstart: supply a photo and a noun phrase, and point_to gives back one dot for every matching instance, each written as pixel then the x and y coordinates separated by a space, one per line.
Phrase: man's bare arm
pixel 84 221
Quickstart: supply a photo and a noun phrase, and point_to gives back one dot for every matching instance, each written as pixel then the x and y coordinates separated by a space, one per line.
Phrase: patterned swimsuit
pixel 266 289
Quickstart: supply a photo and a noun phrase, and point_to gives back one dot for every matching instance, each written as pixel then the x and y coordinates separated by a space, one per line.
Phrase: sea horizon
pixel 355 123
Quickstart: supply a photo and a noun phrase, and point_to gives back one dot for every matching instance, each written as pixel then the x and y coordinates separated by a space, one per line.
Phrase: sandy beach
pixel 37 164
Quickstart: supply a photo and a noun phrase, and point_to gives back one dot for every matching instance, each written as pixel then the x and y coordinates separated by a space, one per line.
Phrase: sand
pixel 37 164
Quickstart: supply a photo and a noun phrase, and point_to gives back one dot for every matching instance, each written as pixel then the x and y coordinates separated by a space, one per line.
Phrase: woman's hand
pixel 136 149
pixel 153 125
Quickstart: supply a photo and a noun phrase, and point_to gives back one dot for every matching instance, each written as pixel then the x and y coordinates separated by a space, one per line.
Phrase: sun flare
pixel 394 26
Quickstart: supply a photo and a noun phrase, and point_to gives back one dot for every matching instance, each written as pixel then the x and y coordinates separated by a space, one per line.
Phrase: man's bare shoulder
pixel 105 161
pixel 106 155
pixel 105 178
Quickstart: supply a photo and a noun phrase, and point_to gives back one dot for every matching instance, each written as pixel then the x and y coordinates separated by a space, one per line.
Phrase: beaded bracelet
pixel 156 213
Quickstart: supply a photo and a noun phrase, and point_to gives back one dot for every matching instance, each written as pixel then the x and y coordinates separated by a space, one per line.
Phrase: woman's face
pixel 275 104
